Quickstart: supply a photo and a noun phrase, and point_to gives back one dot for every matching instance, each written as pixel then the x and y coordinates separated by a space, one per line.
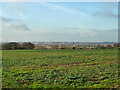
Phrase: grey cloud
pixel 102 30
pixel 6 19
pixel 112 30
pixel 84 35
pixel 108 10
pixel 71 28
pixel 17 26
pixel 109 14
pixel 87 35
pixel 109 5
pixel 12 24
pixel 106 35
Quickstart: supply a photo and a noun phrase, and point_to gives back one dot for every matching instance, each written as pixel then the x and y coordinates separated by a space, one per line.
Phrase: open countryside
pixel 96 68
pixel 59 44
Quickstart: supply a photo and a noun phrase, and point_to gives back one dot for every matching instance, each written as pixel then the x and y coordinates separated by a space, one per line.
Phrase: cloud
pixel 87 35
pixel 84 35
pixel 102 30
pixel 3 19
pixel 16 7
pixel 16 26
pixel 69 10
pixel 70 28
pixel 63 36
pixel 11 24
pixel 109 14
pixel 107 10
pixel 91 32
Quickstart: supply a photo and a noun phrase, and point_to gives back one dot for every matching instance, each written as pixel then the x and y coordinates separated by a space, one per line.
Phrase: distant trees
pixel 100 47
pixel 116 45
pixel 5 46
pixel 64 47
pixel 15 45
pixel 55 47
pixel 67 47
pixel 40 47
pixel 73 47
pixel 27 45
pixel 10 46
pixel 108 47
pixel 0 46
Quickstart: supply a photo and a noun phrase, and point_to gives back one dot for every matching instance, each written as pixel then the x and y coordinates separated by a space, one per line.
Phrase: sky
pixel 59 21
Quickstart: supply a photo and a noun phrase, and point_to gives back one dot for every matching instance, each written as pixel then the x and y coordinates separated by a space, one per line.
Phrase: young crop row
pixel 60 68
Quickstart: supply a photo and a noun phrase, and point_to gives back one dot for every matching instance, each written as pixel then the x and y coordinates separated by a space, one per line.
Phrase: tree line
pixel 29 45
pixel 15 46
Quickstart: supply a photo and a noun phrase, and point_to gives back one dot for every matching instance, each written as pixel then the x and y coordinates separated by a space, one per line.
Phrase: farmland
pixel 97 68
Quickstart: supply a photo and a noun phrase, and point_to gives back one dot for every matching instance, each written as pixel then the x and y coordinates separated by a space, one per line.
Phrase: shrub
pixel 27 45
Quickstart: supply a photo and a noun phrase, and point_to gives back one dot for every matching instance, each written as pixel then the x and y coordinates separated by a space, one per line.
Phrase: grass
pixel 60 68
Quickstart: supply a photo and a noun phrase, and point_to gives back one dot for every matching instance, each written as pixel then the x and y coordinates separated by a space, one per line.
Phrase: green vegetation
pixel 15 46
pixel 95 68
pixel 29 45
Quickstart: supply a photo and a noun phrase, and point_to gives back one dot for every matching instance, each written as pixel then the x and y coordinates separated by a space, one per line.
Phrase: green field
pixel 60 68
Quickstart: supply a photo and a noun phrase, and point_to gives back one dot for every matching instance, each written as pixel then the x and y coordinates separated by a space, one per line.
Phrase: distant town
pixel 65 43
pixel 70 43
pixel 58 45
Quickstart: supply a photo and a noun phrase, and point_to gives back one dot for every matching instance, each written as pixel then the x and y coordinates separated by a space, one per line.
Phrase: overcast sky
pixel 67 21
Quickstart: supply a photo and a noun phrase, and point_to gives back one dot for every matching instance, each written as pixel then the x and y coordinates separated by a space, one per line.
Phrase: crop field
pixel 96 68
